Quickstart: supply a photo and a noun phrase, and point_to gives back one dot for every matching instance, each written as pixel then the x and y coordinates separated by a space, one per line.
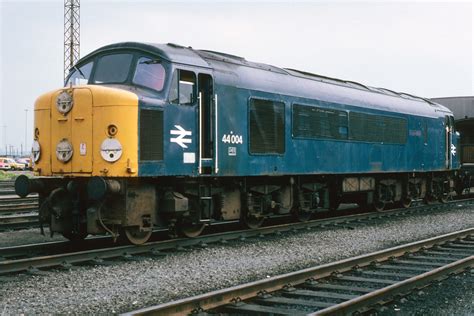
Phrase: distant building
pixel 463 109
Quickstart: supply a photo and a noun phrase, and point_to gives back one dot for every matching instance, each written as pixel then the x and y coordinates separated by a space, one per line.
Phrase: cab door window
pixel 149 73
pixel 183 88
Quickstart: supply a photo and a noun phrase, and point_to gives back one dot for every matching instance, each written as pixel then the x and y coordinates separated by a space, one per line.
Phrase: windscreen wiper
pixel 80 72
pixel 151 61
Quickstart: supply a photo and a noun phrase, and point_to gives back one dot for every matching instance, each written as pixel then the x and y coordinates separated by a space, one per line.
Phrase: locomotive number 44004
pixel 232 139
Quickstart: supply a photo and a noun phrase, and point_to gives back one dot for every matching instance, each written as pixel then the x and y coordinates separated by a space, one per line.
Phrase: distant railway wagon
pixel 144 136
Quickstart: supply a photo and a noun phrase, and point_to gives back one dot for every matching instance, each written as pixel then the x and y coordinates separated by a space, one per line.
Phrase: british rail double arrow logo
pixel 453 150
pixel 182 133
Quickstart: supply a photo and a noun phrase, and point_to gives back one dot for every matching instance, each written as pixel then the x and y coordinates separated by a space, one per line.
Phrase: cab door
pixel 207 102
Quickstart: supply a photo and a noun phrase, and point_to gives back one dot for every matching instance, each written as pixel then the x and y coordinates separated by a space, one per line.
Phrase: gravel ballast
pixel 124 286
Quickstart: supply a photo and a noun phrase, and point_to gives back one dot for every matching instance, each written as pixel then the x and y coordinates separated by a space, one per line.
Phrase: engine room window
pixel 377 128
pixel 266 127
pixel 149 73
pixel 183 88
pixel 317 122
pixel 80 75
pixel 113 68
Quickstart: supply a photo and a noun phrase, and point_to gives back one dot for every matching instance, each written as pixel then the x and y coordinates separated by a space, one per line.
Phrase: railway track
pixel 7 191
pixel 7 187
pixel 63 254
pixel 16 213
pixel 339 288
pixel 10 205
pixel 18 222
pixel 7 184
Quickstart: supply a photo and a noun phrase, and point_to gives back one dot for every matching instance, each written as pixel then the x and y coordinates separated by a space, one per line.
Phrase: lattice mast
pixel 71 34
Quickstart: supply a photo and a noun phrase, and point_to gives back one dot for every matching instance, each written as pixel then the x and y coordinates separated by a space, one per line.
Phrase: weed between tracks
pixel 6 175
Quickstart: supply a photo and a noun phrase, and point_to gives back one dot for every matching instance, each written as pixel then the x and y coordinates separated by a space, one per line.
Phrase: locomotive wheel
pixel 429 199
pixel 75 236
pixel 135 236
pixel 191 230
pixel 253 222
pixel 406 202
pixel 444 198
pixel 302 216
pixel 379 206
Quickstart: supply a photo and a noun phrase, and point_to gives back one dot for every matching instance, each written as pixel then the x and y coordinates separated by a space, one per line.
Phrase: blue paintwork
pixel 237 80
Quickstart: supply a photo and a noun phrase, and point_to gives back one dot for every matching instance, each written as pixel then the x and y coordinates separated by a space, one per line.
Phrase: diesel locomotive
pixel 145 136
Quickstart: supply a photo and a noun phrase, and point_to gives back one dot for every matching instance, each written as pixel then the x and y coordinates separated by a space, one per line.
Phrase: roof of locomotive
pixel 281 79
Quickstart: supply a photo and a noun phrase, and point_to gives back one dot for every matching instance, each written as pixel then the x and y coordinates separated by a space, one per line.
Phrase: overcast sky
pixel 423 48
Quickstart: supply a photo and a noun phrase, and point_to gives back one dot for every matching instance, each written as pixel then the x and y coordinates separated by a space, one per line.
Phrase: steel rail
pixel 111 252
pixel 7 187
pixel 403 287
pixel 18 221
pixel 52 247
pixel 10 266
pixel 46 260
pixel 7 183
pixel 7 191
pixel 22 250
pixel 18 200
pixel 242 292
pixel 17 213
pixel 18 208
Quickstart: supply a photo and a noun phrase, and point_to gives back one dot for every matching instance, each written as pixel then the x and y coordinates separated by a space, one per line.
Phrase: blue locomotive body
pixel 267 121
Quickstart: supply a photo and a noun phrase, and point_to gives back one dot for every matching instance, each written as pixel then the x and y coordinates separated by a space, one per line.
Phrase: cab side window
pixel 183 88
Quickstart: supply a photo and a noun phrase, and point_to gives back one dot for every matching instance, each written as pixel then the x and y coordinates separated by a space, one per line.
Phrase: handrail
pixel 216 140
pixel 200 133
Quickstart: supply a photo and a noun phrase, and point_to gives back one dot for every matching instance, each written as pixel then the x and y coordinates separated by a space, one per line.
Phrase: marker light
pixel 111 150
pixel 64 102
pixel 64 150
pixel 36 150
